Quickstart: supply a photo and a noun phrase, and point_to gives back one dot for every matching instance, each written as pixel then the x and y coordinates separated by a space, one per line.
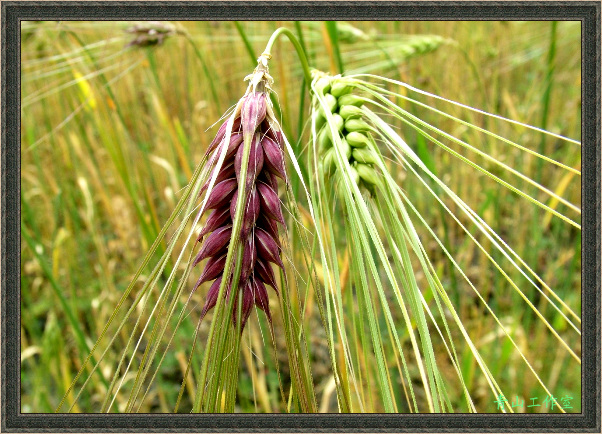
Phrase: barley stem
pixel 298 48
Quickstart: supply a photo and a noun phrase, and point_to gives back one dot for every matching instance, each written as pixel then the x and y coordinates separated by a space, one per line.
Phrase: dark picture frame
pixel 588 13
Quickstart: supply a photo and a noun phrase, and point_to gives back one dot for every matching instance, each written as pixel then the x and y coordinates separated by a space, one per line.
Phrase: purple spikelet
pixel 259 232
pixel 274 158
pixel 219 137
pixel 254 109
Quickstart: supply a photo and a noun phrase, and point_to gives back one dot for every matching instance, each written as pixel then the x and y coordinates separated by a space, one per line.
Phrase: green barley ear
pixel 421 44
pixel 387 253
pixel 345 130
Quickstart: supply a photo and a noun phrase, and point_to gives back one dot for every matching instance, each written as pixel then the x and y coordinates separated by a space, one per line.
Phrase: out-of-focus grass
pixel 110 136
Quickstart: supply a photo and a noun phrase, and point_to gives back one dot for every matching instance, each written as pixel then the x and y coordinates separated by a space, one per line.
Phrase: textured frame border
pixel 12 14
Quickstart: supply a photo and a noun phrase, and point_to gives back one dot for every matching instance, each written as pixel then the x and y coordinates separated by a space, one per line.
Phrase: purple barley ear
pixel 249 257
pixel 215 243
pixel 221 193
pixel 215 267
pixel 267 249
pixel 216 219
pixel 270 204
pixel 253 112
pixel 262 208
pixel 222 132
pixel 211 296
pixel 261 297
pixel 251 211
pixel 255 162
pixel 274 158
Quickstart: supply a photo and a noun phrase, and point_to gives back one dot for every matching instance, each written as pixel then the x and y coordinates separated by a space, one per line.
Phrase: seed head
pixel 150 33
pixel 262 210
pixel 354 139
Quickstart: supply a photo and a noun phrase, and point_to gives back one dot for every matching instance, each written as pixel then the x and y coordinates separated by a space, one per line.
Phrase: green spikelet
pixel 338 89
pixel 331 101
pixel 357 139
pixel 345 148
pixel 323 85
pixel 351 99
pixel 364 155
pixel 367 174
pixel 350 111
pixel 356 125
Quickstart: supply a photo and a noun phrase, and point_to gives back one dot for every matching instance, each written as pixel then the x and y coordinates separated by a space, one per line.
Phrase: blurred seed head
pixel 150 33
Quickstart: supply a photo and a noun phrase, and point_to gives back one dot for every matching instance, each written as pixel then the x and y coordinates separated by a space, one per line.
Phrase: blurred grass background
pixel 111 134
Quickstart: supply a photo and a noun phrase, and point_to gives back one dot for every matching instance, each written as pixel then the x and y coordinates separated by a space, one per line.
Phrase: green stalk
pixel 305 66
pixel 233 367
pixel 331 28
pixel 253 58
pixel 546 102
pixel 304 85
pixel 296 44
pixel 216 382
